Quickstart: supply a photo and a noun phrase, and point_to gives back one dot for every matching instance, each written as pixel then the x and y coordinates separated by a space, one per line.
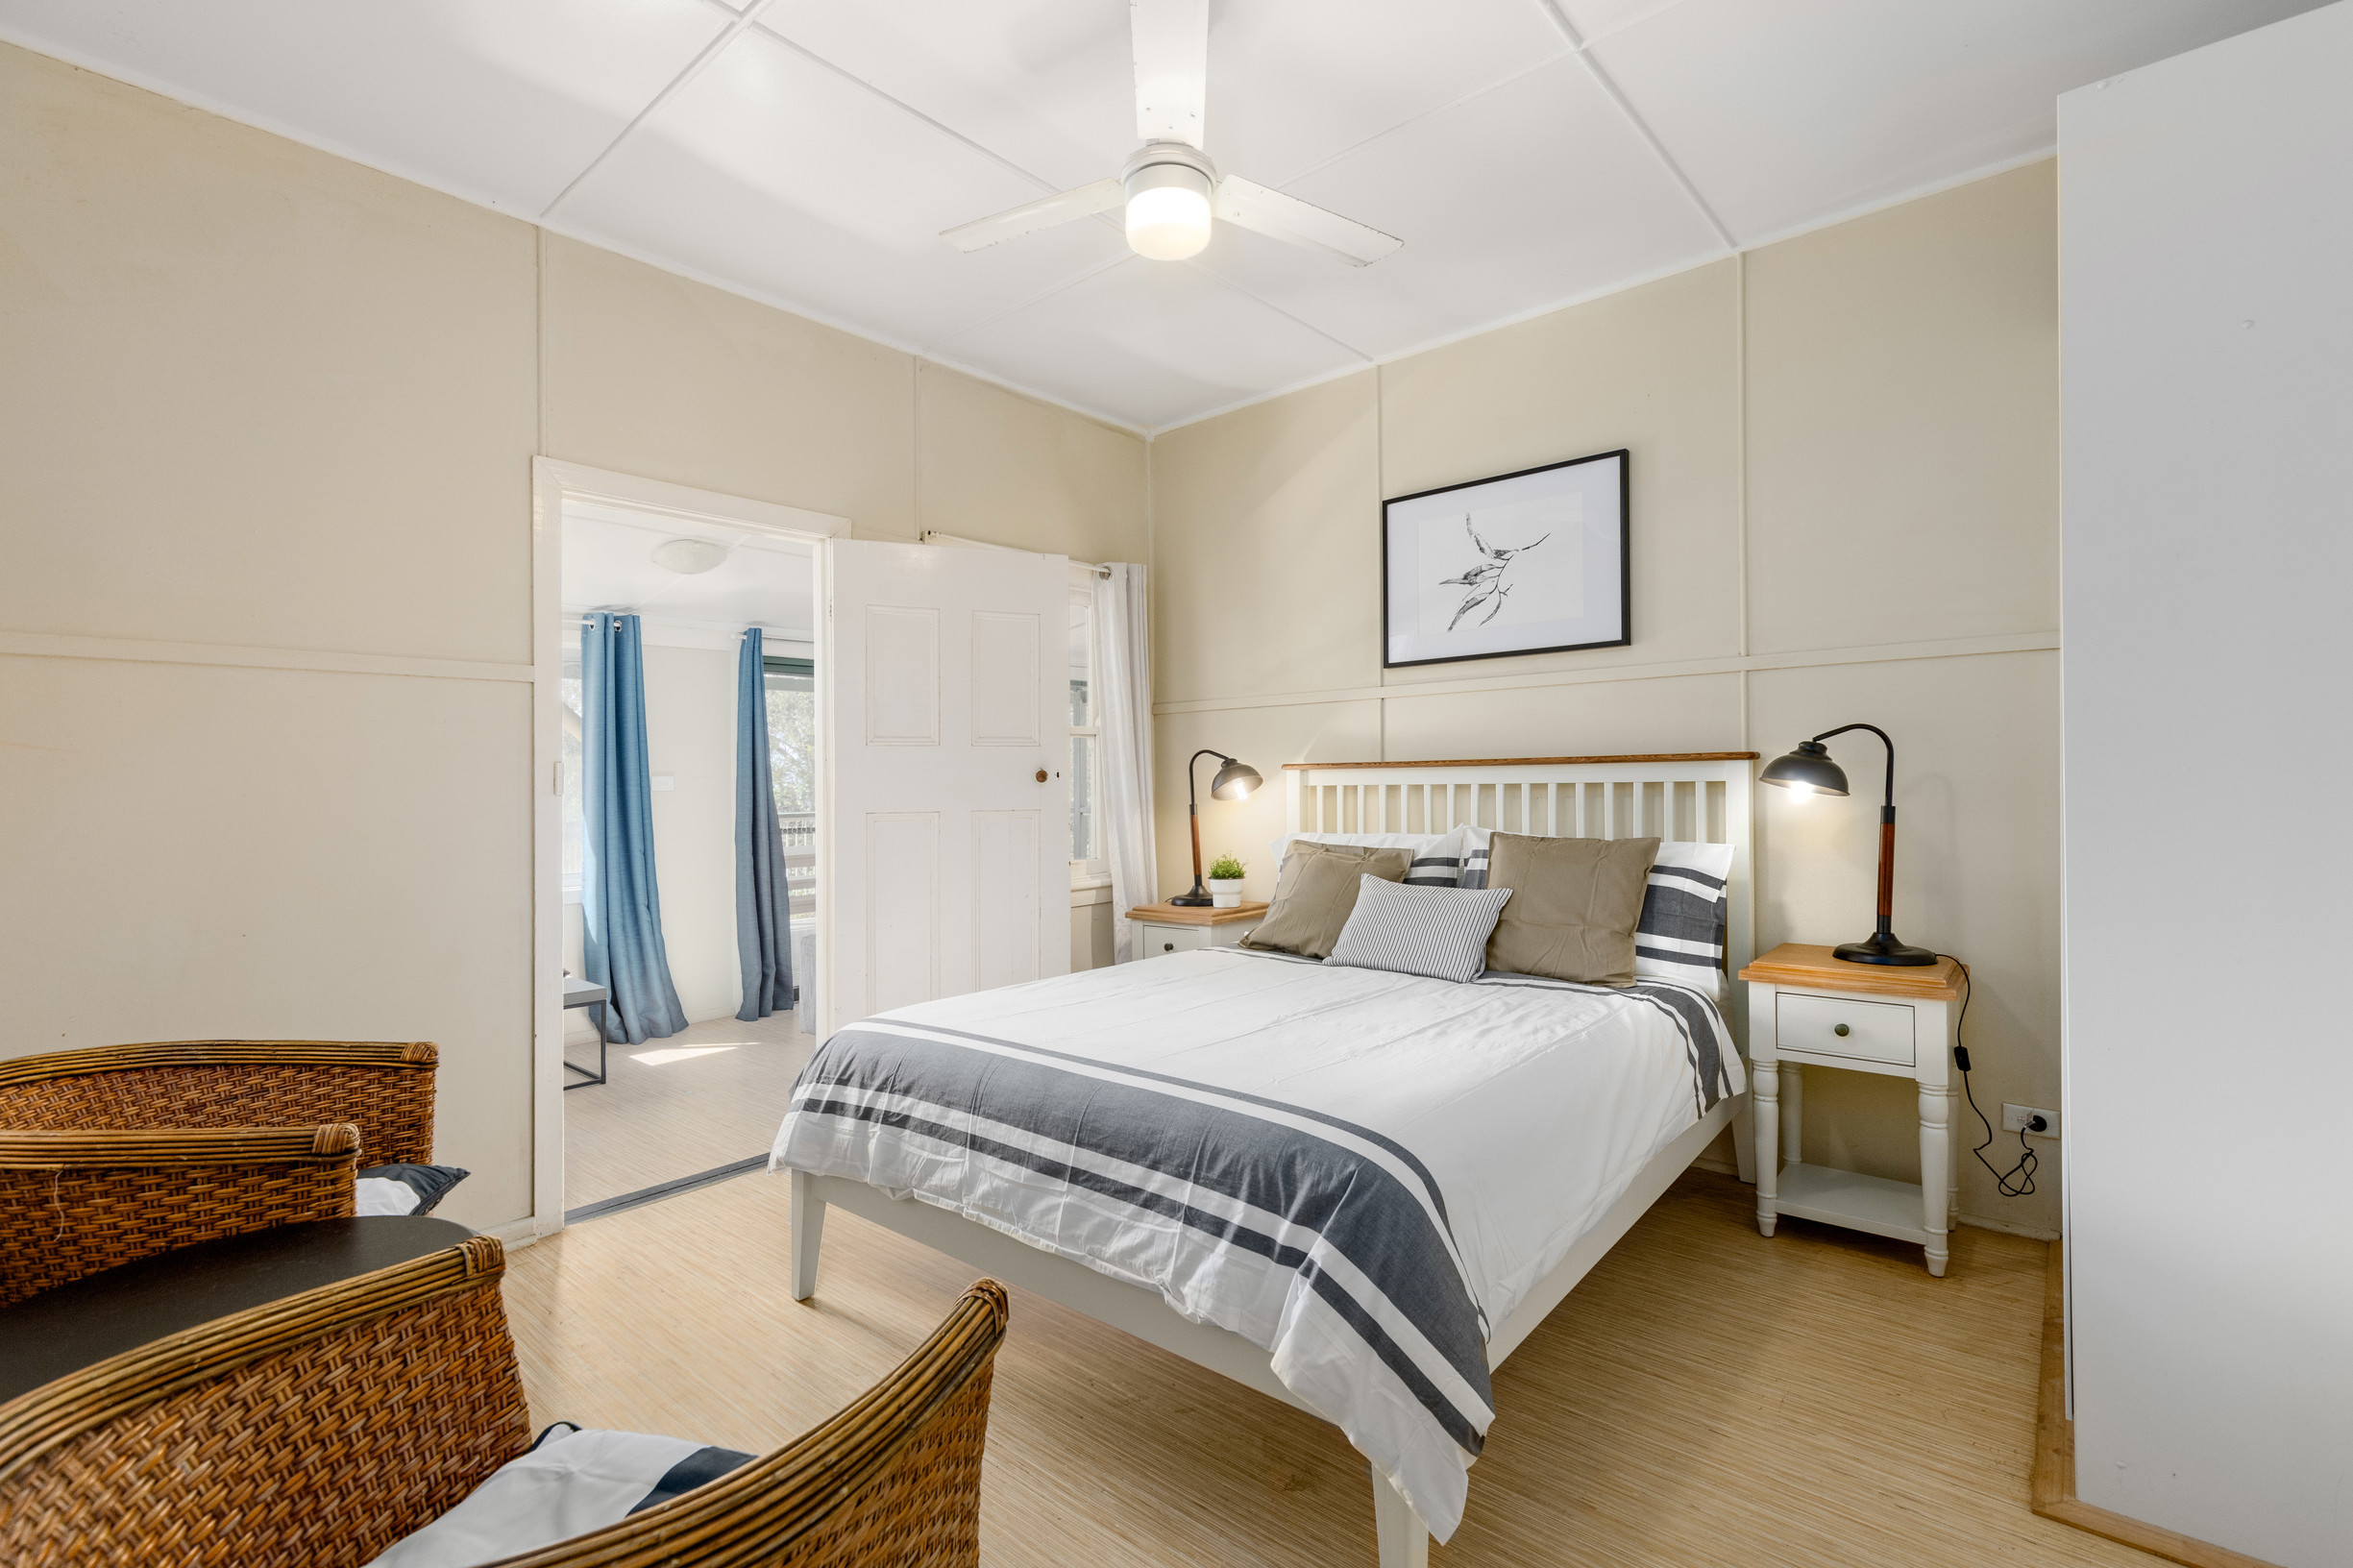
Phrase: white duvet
pixel 1533 1106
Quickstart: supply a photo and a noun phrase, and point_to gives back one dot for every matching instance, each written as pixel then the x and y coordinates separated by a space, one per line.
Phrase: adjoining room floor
pixel 1707 1397
pixel 708 1095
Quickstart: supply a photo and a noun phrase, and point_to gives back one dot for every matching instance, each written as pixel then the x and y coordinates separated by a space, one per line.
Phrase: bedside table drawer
pixel 1159 941
pixel 1830 1026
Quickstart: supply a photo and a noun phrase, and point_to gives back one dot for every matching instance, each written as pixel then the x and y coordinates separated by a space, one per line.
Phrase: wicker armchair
pixel 319 1429
pixel 110 1155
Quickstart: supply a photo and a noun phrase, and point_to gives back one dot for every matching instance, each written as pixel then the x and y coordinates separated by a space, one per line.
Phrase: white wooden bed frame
pixel 1691 796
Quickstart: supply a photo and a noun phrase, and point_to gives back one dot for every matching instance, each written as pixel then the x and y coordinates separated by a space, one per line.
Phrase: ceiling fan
pixel 1171 190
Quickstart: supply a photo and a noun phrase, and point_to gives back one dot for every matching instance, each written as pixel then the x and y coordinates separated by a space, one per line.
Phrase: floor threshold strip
pixel 664 1189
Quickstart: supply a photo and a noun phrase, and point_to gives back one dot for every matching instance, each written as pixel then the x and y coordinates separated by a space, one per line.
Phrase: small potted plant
pixel 1226 882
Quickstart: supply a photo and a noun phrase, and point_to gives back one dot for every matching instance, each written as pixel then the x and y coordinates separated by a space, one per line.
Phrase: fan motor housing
pixel 1159 163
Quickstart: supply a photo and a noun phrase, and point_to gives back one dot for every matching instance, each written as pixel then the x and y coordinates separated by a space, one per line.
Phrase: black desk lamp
pixel 1809 769
pixel 1234 781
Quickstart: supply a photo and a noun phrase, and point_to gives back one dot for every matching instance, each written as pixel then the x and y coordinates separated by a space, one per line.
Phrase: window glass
pixel 1082 666
pixel 1083 761
pixel 792 747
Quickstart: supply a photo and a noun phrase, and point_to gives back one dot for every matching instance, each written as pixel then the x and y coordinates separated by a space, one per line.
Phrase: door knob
pixel 1041 775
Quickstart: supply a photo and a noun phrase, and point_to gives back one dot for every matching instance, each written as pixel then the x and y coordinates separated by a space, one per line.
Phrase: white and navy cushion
pixel 1680 935
pixel 1439 932
pixel 404 1189
pixel 568 1485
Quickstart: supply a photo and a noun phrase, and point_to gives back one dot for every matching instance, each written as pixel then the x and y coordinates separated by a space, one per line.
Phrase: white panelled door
pixel 946 716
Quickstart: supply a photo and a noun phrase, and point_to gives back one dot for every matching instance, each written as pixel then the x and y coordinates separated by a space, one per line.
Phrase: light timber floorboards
pixel 1707 1397
pixel 655 1121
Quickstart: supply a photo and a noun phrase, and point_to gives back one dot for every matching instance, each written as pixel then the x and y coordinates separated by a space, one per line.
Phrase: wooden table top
pixel 1806 964
pixel 1171 915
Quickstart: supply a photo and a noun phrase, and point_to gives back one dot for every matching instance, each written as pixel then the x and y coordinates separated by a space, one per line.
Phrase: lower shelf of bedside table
pixel 1859 1202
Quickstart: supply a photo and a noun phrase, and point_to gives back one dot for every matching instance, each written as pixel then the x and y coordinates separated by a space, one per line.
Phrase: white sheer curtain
pixel 1123 689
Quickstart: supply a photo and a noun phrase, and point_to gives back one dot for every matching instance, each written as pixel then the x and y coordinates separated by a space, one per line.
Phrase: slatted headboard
pixel 1695 797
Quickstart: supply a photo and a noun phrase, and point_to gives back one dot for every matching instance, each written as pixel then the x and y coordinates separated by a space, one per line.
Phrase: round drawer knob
pixel 1170 948
pixel 1839 1029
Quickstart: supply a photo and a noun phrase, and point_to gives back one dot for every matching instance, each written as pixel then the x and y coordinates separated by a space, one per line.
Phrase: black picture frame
pixel 1390 644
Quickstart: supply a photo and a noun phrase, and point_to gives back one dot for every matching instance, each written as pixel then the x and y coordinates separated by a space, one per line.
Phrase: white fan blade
pixel 1084 202
pixel 1172 69
pixel 1270 212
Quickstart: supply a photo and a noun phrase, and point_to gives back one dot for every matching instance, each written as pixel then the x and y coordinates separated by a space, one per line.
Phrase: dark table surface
pixel 45 1337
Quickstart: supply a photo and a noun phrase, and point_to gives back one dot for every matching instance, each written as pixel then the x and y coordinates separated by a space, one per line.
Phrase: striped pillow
pixel 1681 935
pixel 1437 932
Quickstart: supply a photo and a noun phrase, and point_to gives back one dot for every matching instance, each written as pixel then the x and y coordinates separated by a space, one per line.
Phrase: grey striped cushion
pixel 1439 932
pixel 1681 935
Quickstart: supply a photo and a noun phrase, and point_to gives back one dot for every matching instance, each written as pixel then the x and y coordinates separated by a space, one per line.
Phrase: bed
pixel 1354 1191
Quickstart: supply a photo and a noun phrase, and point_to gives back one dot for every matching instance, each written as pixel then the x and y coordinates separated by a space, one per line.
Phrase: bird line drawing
pixel 1485 582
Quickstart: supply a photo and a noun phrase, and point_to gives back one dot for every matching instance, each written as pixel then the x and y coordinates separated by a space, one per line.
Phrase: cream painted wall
pixel 266 422
pixel 1844 492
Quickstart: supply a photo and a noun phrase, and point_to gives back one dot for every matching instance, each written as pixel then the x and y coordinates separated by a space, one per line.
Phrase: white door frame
pixel 551 481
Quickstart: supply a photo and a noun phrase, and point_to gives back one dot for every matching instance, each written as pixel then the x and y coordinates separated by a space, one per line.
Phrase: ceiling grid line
pixel 694 67
pixel 1642 127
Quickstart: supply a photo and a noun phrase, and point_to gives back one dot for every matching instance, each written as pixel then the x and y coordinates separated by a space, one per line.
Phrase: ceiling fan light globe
pixel 1168 212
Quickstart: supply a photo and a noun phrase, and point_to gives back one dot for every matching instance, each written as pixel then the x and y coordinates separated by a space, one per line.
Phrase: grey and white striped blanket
pixel 1360 1172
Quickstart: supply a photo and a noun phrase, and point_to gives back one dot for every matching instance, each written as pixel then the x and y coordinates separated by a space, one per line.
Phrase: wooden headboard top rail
pixel 1540 762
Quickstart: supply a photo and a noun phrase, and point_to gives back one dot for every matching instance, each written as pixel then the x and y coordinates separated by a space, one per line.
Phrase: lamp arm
pixel 1192 779
pixel 1842 729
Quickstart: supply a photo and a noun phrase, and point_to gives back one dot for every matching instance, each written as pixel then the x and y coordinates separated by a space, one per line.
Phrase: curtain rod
pixel 580 617
pixel 934 536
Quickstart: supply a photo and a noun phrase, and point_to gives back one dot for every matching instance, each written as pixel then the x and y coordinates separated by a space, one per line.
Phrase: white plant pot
pixel 1225 891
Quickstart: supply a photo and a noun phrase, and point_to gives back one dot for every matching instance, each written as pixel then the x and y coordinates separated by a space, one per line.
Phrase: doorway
pixel 658 702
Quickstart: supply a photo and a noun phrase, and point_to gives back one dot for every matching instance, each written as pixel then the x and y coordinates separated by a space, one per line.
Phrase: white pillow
pixel 568 1485
pixel 1417 843
pixel 1437 932
pixel 1680 934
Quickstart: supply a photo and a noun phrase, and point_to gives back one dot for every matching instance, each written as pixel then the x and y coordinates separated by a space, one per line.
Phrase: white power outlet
pixel 2020 1118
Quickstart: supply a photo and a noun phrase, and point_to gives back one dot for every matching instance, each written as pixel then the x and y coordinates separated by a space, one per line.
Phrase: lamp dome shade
pixel 1234 781
pixel 1808 766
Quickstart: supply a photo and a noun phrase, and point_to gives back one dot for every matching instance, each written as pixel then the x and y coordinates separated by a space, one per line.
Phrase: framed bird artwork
pixel 1533 562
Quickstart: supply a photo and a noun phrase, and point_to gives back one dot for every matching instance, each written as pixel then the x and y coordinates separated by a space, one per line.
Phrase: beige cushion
pixel 1573 906
pixel 1315 890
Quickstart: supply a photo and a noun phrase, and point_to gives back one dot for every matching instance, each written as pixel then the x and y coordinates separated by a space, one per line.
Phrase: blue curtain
pixel 619 903
pixel 763 904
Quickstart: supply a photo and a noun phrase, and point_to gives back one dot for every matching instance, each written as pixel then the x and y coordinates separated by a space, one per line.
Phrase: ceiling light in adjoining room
pixel 1168 210
pixel 688 556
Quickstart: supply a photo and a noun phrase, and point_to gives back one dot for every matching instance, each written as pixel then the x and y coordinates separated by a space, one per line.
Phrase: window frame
pixel 1095 871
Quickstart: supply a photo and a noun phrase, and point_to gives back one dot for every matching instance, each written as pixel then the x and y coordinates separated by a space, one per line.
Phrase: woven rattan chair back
pixel 73 1203
pixel 311 1432
pixel 384 1087
pixel 892 1481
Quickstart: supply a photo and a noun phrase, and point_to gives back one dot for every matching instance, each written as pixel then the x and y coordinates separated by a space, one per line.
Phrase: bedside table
pixel 1162 929
pixel 1807 1008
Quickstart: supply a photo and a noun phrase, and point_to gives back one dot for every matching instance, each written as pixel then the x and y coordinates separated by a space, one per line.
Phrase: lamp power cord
pixel 2017 1181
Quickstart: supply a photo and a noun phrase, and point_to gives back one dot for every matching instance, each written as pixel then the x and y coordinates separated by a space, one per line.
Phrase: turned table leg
pixel 1937 1176
pixel 1765 1105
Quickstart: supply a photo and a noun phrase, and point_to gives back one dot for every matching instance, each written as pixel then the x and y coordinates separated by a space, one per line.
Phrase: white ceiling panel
pixel 1294 85
pixel 776 174
pixel 1151 343
pixel 1788 114
pixel 1047 84
pixel 505 102
pixel 609 565
pixel 813 155
pixel 1536 192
